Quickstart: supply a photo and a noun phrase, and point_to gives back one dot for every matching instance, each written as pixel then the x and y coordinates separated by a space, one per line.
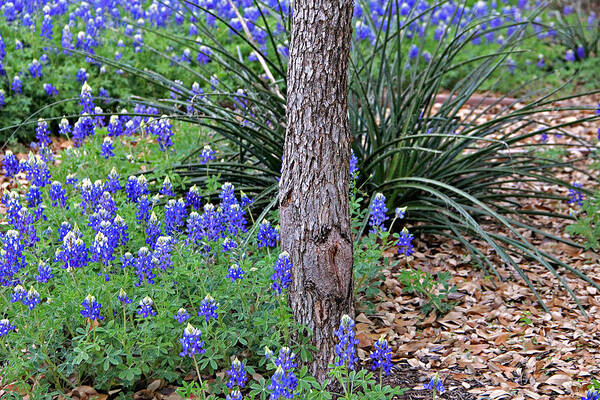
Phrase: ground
pixel 498 343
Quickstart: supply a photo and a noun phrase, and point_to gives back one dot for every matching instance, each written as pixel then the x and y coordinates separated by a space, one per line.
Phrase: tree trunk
pixel 313 192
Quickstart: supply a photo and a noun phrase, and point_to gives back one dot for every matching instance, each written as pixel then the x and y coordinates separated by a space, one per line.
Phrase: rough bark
pixel 313 192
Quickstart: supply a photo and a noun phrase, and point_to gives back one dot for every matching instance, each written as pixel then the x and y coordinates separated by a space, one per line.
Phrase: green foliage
pixel 434 291
pixel 574 30
pixel 587 224
pixel 362 385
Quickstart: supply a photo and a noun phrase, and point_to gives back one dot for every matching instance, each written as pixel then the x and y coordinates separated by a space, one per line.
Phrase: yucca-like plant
pixel 579 27
pixel 453 172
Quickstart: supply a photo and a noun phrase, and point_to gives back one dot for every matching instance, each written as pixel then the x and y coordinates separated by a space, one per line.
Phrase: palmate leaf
pixel 453 173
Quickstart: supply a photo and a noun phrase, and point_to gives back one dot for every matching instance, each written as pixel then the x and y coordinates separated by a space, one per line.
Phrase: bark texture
pixel 313 192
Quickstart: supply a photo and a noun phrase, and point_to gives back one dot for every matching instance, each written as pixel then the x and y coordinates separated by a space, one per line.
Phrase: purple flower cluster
pixel 282 277
pixel 191 342
pixel 345 349
pixel 267 236
pixel 378 212
pixel 91 308
pixel 208 308
pixel 382 356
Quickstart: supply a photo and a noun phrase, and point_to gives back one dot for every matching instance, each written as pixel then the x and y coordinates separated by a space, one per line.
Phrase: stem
pixel 124 325
pixel 199 377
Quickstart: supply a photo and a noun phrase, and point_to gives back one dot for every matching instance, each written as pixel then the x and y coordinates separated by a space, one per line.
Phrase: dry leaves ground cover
pixel 497 342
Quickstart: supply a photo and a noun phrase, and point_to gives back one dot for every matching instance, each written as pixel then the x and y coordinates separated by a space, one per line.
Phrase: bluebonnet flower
pixel 540 62
pixel 86 100
pixel 136 187
pixel 191 342
pixel 591 394
pixel 63 127
pixel 115 127
pixel 193 198
pixel 142 213
pixel 81 75
pixel 575 196
pixel 123 297
pixel 267 235
pixel 235 272
pixel 237 374
pixel 91 308
pixel 35 69
pixel 5 327
pixel 234 395
pixel 234 219
pixel 63 229
pixel 2 93
pixel 345 349
pixel 167 187
pixel 182 315
pixel 12 258
pixel 16 85
pixel 144 265
pixel 400 212
pixel 31 298
pixel 214 82
pixel 404 243
pixel 18 294
pixel 66 40
pixel 34 197
pixel 229 244
pixel 204 54
pixel 174 215
pixel 245 200
pixel 413 52
pixel 42 133
pixel 284 382
pixel 46 28
pixel 44 272
pixel 83 128
pixel 208 308
pixel 598 109
pixel 163 129
pixel 435 384
pixel 378 210
pixel 511 65
pixel 11 164
pixel 162 252
pixel 50 89
pixel 112 184
pixel 569 56
pixel 207 154
pixel 18 43
pixel 146 309
pixel 58 195
pixel 37 171
pixel 73 253
pixel 90 194
pixel 153 230
pixel 98 117
pixel 580 52
pixel 353 166
pixel 128 260
pixel 102 249
pixel 282 277
pixel 382 356
pixel 71 179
